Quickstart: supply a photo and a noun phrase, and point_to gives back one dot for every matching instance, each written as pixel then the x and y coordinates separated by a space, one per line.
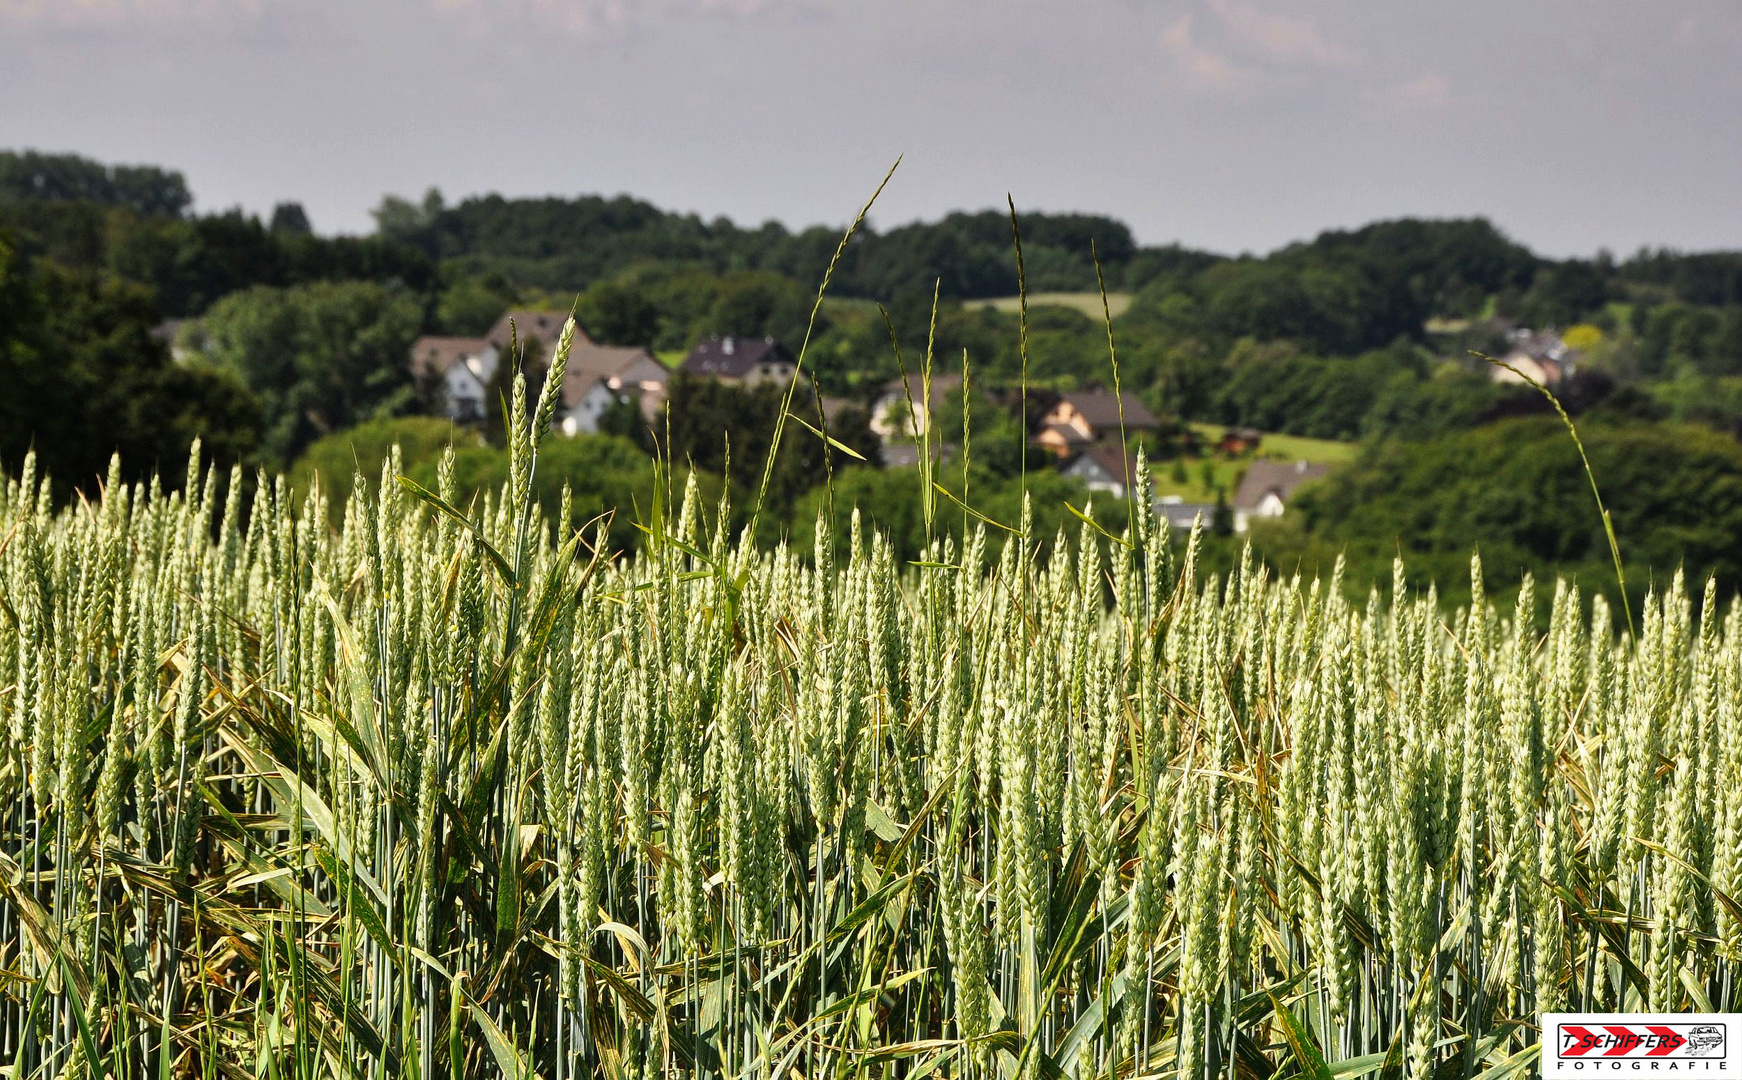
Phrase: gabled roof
pixel 1182 515
pixel 607 361
pixel 1118 467
pixel 733 357
pixel 434 355
pixel 577 386
pixel 590 364
pixel 1101 409
pixel 546 326
pixel 1278 478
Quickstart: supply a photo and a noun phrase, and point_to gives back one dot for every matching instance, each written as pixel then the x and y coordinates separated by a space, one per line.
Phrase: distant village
pixel 1080 430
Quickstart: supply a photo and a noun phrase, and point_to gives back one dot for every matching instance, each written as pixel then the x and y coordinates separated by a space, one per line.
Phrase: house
pixel 1099 414
pixel 1239 440
pixel 842 420
pixel 583 405
pixel 1062 440
pixel 1104 468
pixel 596 376
pixel 740 360
pixel 623 372
pixel 458 371
pixel 525 325
pixel 1182 515
pixel 1267 486
pixel 891 418
pixel 1539 355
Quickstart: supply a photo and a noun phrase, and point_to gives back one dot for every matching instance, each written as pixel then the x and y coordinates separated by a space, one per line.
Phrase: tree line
pixel 295 339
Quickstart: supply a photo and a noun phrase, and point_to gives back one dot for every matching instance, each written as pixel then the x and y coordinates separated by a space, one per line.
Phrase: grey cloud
pixel 1280 36
pixel 110 14
pixel 1232 124
pixel 1428 91
pixel 1199 67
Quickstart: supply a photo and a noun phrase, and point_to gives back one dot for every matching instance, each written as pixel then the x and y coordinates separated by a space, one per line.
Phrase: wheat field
pixel 448 792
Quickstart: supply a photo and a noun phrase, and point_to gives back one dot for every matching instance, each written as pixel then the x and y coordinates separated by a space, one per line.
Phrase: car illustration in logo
pixel 1636 1040
pixel 1620 1046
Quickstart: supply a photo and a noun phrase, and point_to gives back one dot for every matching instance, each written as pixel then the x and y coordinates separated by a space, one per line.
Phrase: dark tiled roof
pixel 1118 461
pixel 577 385
pixel 433 355
pixel 546 326
pixel 733 357
pixel 590 363
pixel 593 362
pixel 1101 409
pixel 1111 461
pixel 1279 477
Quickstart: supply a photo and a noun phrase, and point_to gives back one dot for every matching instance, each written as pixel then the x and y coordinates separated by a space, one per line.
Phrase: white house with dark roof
pixel 1104 468
pixel 1266 488
pixel 599 375
pixel 891 417
pixel 584 403
pixel 1181 516
pixel 462 369
pixel 741 360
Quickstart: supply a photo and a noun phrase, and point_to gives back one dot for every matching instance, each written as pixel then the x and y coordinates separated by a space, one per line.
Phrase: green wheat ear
pixel 426 795
pixel 714 802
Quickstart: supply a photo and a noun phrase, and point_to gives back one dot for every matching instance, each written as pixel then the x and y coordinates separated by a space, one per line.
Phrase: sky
pixel 1232 125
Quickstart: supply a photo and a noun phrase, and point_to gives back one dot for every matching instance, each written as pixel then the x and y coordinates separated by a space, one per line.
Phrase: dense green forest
pixel 284 341
pixel 1517 490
